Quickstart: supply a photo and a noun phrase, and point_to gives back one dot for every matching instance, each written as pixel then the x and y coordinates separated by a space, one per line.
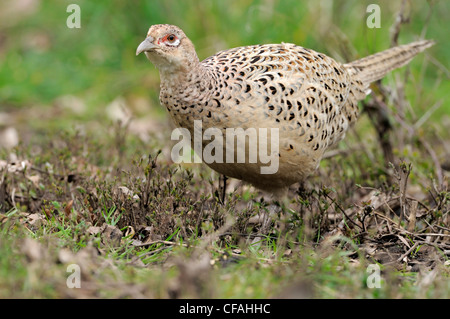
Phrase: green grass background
pixel 42 59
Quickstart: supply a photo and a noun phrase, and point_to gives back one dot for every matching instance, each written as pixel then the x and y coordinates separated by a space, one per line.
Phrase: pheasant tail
pixel 376 66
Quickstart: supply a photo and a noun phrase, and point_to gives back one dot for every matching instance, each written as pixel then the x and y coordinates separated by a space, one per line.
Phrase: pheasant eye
pixel 171 40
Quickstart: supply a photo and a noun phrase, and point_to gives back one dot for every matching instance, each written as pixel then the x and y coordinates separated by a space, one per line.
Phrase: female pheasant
pixel 309 97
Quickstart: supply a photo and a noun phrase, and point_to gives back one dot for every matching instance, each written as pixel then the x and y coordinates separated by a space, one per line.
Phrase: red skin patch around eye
pixel 164 39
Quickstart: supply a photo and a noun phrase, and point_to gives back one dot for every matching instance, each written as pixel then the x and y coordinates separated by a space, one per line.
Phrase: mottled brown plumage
pixel 308 96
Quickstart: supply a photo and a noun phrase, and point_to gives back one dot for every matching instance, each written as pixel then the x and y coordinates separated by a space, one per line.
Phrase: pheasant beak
pixel 146 45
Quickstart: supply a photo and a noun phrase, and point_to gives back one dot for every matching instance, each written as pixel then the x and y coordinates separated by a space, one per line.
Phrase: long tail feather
pixel 376 66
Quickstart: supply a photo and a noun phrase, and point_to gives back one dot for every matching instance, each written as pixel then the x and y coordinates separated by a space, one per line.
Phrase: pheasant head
pixel 169 49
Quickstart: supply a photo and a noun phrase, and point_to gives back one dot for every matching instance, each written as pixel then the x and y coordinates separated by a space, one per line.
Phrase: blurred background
pixel 54 76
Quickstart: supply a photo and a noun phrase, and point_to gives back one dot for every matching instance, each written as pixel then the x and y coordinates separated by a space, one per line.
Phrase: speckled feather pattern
pixel 308 96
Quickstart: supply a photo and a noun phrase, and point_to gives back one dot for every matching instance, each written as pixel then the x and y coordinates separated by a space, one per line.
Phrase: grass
pixel 105 195
pixel 164 259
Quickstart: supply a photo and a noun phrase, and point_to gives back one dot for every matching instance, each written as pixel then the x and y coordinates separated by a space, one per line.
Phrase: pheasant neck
pixel 190 84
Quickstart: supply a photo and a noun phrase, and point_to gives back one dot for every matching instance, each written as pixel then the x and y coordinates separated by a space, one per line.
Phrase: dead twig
pixel 163 242
pixel 342 210
pixel 401 19
pixel 402 178
pixel 399 259
pixel 404 231
pixel 412 215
